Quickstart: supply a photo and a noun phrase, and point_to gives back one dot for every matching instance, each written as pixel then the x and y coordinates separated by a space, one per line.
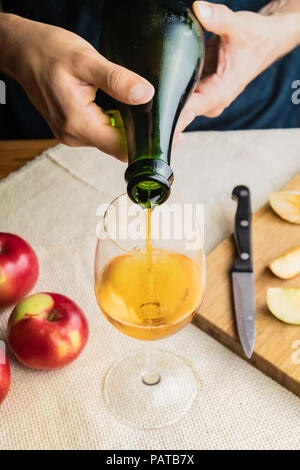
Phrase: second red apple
pixel 47 331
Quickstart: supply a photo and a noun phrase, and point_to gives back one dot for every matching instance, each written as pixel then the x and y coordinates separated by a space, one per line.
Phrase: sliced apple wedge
pixel 284 303
pixel 287 265
pixel 286 204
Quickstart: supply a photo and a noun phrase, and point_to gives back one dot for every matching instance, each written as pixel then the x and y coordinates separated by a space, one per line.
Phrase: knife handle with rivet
pixel 242 232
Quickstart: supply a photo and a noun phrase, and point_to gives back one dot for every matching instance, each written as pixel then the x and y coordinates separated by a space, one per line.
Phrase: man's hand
pixel 60 73
pixel 244 45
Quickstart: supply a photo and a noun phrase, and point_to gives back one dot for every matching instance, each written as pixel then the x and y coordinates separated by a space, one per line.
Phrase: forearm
pixel 286 17
pixel 9 42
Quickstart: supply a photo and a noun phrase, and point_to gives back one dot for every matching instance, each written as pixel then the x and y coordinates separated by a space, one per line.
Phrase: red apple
pixel 19 269
pixel 47 331
pixel 4 376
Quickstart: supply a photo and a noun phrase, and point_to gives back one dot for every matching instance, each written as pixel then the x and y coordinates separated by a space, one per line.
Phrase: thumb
pixel 217 19
pixel 118 82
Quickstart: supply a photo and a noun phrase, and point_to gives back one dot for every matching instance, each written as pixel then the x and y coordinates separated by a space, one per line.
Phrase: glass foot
pixel 150 399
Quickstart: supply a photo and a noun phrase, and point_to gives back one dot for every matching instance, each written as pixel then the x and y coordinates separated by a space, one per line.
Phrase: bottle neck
pixel 149 181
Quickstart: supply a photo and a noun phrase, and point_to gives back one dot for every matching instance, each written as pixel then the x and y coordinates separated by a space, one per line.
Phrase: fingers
pixel 96 129
pixel 186 117
pixel 212 97
pixel 215 113
pixel 178 138
pixel 205 108
pixel 71 141
pixel 117 81
pixel 88 126
pixel 84 123
pixel 217 19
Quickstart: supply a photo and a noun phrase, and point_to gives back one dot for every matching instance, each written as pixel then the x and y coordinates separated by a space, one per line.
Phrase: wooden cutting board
pixel 277 345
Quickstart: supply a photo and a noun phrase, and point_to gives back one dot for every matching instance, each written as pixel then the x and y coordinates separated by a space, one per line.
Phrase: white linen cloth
pixel 52 202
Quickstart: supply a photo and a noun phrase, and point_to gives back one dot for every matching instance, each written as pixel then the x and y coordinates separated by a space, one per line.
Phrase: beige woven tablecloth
pixel 52 203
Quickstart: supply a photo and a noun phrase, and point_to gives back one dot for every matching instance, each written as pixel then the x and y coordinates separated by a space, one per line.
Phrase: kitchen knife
pixel 242 271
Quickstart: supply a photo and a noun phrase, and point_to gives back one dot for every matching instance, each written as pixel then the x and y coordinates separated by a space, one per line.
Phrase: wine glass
pixel 149 283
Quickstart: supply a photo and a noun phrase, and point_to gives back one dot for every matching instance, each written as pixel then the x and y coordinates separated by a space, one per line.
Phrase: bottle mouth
pixel 149 182
pixel 149 192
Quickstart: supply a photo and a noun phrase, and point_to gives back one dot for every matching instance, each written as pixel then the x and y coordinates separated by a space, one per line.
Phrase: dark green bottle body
pixel 162 41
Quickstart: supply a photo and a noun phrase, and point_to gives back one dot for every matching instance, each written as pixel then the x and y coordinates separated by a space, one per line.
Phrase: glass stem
pixel 150 376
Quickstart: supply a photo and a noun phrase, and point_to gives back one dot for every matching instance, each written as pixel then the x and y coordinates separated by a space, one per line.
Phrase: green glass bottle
pixel 162 41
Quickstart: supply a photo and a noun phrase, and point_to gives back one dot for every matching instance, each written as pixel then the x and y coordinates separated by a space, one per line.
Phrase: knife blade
pixel 242 271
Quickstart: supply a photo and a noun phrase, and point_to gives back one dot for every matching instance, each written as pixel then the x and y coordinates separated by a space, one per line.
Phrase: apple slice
pixel 287 265
pixel 284 303
pixel 286 204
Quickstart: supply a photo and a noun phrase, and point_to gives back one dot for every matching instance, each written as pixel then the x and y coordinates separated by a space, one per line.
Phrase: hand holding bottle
pixel 244 45
pixel 60 73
